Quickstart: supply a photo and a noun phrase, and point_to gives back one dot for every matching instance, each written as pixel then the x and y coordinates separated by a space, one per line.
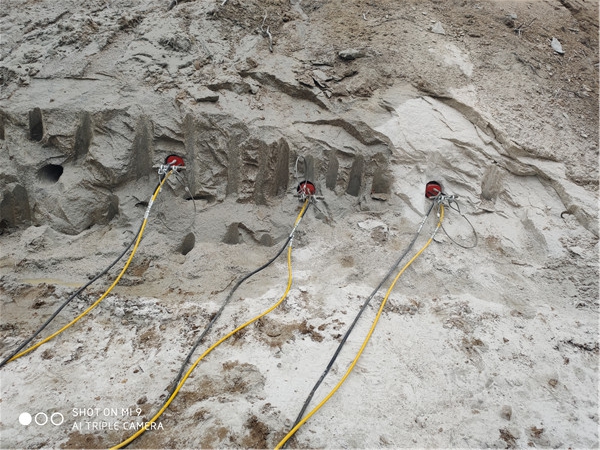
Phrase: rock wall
pixel 71 168
pixel 71 161
pixel 484 344
pixel 94 97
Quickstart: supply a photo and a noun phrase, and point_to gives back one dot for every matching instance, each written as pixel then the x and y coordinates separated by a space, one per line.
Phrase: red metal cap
pixel 306 188
pixel 174 160
pixel 432 189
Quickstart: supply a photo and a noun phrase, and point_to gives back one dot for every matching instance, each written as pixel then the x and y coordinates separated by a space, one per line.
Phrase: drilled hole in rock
pixel 355 177
pixel 50 173
pixel 14 207
pixel 36 124
pixel 188 244
pixel 208 197
pixel 83 135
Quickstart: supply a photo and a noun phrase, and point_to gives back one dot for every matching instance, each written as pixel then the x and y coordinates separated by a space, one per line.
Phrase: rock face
pixel 369 104
pixel 136 89
pixel 74 163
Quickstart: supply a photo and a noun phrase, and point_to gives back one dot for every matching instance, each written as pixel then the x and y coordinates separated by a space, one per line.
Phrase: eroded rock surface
pixel 491 346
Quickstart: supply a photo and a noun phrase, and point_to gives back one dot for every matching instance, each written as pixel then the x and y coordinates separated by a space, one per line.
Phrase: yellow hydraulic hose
pixel 220 341
pixel 103 296
pixel 387 294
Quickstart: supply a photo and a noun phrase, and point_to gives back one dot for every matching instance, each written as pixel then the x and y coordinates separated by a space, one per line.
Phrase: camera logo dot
pixel 41 418
pixel 25 418
pixel 57 418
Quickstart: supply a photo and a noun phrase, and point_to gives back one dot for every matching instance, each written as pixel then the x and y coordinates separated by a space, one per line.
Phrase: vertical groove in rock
pixel 143 148
pixel 332 171
pixel 281 174
pixel 83 136
pixel 355 177
pixel 36 124
pixel 14 206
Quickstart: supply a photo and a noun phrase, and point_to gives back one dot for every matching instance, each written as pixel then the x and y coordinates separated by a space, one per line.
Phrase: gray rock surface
pixel 495 345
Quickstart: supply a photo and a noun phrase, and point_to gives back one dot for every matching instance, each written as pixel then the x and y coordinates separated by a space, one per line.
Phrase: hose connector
pixel 172 163
pixel 434 191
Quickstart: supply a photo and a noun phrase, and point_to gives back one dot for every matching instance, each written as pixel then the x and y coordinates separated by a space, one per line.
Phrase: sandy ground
pixel 494 346
pixel 462 357
pixel 458 353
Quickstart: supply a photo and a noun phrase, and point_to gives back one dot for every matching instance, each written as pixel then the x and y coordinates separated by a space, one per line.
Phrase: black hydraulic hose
pixel 79 291
pixel 362 309
pixel 227 300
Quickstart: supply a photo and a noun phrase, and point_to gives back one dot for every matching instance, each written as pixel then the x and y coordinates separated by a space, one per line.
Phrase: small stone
pixel 350 53
pixel 509 22
pixel 556 46
pixel 233 235
pixel 506 412
pixel 321 76
pixel 577 250
pixel 203 94
pixel 244 67
pixel 438 29
pixel 305 79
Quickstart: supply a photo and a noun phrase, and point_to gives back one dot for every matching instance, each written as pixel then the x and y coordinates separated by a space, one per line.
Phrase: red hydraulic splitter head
pixel 306 189
pixel 432 189
pixel 175 161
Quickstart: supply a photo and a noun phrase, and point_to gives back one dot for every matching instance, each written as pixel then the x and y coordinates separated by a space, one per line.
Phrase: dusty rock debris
pixel 491 346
